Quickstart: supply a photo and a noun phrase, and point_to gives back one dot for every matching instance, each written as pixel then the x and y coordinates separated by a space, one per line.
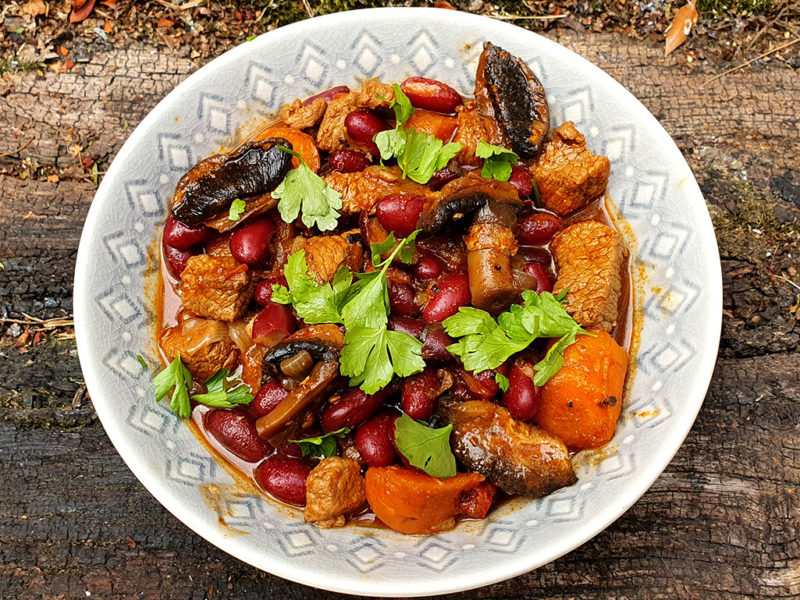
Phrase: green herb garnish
pixel 218 397
pixel 497 161
pixel 238 206
pixel 175 377
pixel 502 381
pixel 322 446
pixel 303 191
pixel 424 447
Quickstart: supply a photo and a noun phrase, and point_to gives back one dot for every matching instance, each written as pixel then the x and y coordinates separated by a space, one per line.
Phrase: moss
pixel 14 64
pixel 284 12
pixel 722 8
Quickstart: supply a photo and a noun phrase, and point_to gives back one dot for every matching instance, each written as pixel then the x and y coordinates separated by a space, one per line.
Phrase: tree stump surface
pixel 723 521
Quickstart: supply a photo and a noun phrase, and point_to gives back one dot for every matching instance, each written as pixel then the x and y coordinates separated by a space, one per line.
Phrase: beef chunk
pixel 216 287
pixel 332 134
pixel 302 116
pixel 517 457
pixel 205 346
pixel 372 88
pixel 589 259
pixel 362 190
pixel 472 128
pixel 325 254
pixel 568 174
pixel 333 488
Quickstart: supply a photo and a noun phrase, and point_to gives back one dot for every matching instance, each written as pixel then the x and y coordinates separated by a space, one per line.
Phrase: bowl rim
pixel 365 585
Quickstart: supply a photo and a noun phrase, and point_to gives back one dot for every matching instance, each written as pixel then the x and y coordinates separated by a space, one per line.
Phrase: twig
pixel 308 8
pixel 528 17
pixel 76 399
pixel 789 281
pixel 751 61
pixel 766 27
pixel 20 149
pixel 188 5
pixel 42 324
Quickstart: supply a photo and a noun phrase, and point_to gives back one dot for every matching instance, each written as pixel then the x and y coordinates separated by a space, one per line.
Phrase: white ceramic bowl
pixel 676 268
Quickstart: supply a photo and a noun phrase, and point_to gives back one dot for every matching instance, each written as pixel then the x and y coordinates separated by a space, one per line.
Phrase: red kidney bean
pixel 250 242
pixel 430 94
pixel 400 213
pixel 268 397
pixel 419 395
pixel 285 478
pixel 544 281
pixel 273 323
pixel 484 384
pixel 538 229
pixel 401 299
pixel 236 431
pixel 453 293
pixel 362 126
pixel 182 236
pixel 290 449
pixel 536 255
pixel 327 95
pixel 522 398
pixel 176 259
pixel 352 409
pixel 412 327
pixel 375 440
pixel 263 292
pixel 348 160
pixel 435 343
pixel 428 267
pixel 521 179
pixel 443 176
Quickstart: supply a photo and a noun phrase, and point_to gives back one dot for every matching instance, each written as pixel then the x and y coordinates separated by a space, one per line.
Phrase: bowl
pixel 661 211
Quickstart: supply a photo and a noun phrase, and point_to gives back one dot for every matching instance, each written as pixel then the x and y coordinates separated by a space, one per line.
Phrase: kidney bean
pixel 412 327
pixel 285 478
pixel 353 408
pixel 348 160
pixel 400 213
pixel 250 242
pixel 236 431
pixel 435 343
pixel 430 94
pixel 327 95
pixel 272 324
pixel 176 259
pixel 522 398
pixel 375 440
pixel 538 229
pixel 268 397
pixel 521 179
pixel 444 176
pixel 483 384
pixel 263 292
pixel 428 266
pixel 362 126
pixel 453 293
pixel 401 299
pixel 544 281
pixel 290 449
pixel 182 236
pixel 419 393
pixel 476 502
pixel 536 255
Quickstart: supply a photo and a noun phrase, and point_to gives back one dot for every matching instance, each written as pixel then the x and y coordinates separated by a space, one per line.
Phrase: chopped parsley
pixel 238 206
pixel 303 191
pixel 502 381
pixel 497 161
pixel 425 447
pixel 322 446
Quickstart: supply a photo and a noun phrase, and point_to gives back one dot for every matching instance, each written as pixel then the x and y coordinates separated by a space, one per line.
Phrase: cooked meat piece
pixel 362 190
pixel 472 128
pixel 589 260
pixel 216 287
pixel 254 206
pixel 372 88
pixel 332 133
pixel 568 174
pixel 507 89
pixel 517 457
pixel 302 116
pixel 326 253
pixel 334 487
pixel 205 346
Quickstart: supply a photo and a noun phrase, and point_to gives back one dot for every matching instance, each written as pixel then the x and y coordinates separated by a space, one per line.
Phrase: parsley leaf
pixel 304 189
pixel 502 381
pixel 424 447
pixel 218 397
pixel 402 105
pixel 250 38
pixel 175 377
pixel 322 446
pixel 497 161
pixel 486 344
pixel 139 357
pixel 419 155
pixel 238 206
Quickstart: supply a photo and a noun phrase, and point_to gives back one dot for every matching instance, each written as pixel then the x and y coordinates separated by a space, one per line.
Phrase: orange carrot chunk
pixel 582 402
pixel 413 502
pixel 302 143
pixel 440 126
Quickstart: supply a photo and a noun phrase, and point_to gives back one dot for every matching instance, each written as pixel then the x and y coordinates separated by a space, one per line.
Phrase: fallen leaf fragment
pixel 108 27
pixel 680 28
pixel 34 8
pixel 52 178
pixel 165 23
pixel 81 9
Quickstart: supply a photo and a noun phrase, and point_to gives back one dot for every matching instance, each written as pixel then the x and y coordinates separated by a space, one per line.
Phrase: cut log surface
pixel 723 521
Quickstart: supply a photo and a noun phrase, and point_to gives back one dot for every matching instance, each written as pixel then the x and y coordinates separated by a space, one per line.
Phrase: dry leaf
pixel 52 178
pixel 80 10
pixel 165 23
pixel 108 27
pixel 34 8
pixel 681 26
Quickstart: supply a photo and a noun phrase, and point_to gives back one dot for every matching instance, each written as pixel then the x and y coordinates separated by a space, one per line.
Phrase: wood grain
pixel 723 521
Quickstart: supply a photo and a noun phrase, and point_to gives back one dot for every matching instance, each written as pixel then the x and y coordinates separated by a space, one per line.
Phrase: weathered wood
pixel 722 522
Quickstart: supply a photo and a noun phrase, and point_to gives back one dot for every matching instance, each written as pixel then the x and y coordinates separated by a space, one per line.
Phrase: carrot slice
pixel 412 502
pixel 301 142
pixel 582 402
pixel 433 123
